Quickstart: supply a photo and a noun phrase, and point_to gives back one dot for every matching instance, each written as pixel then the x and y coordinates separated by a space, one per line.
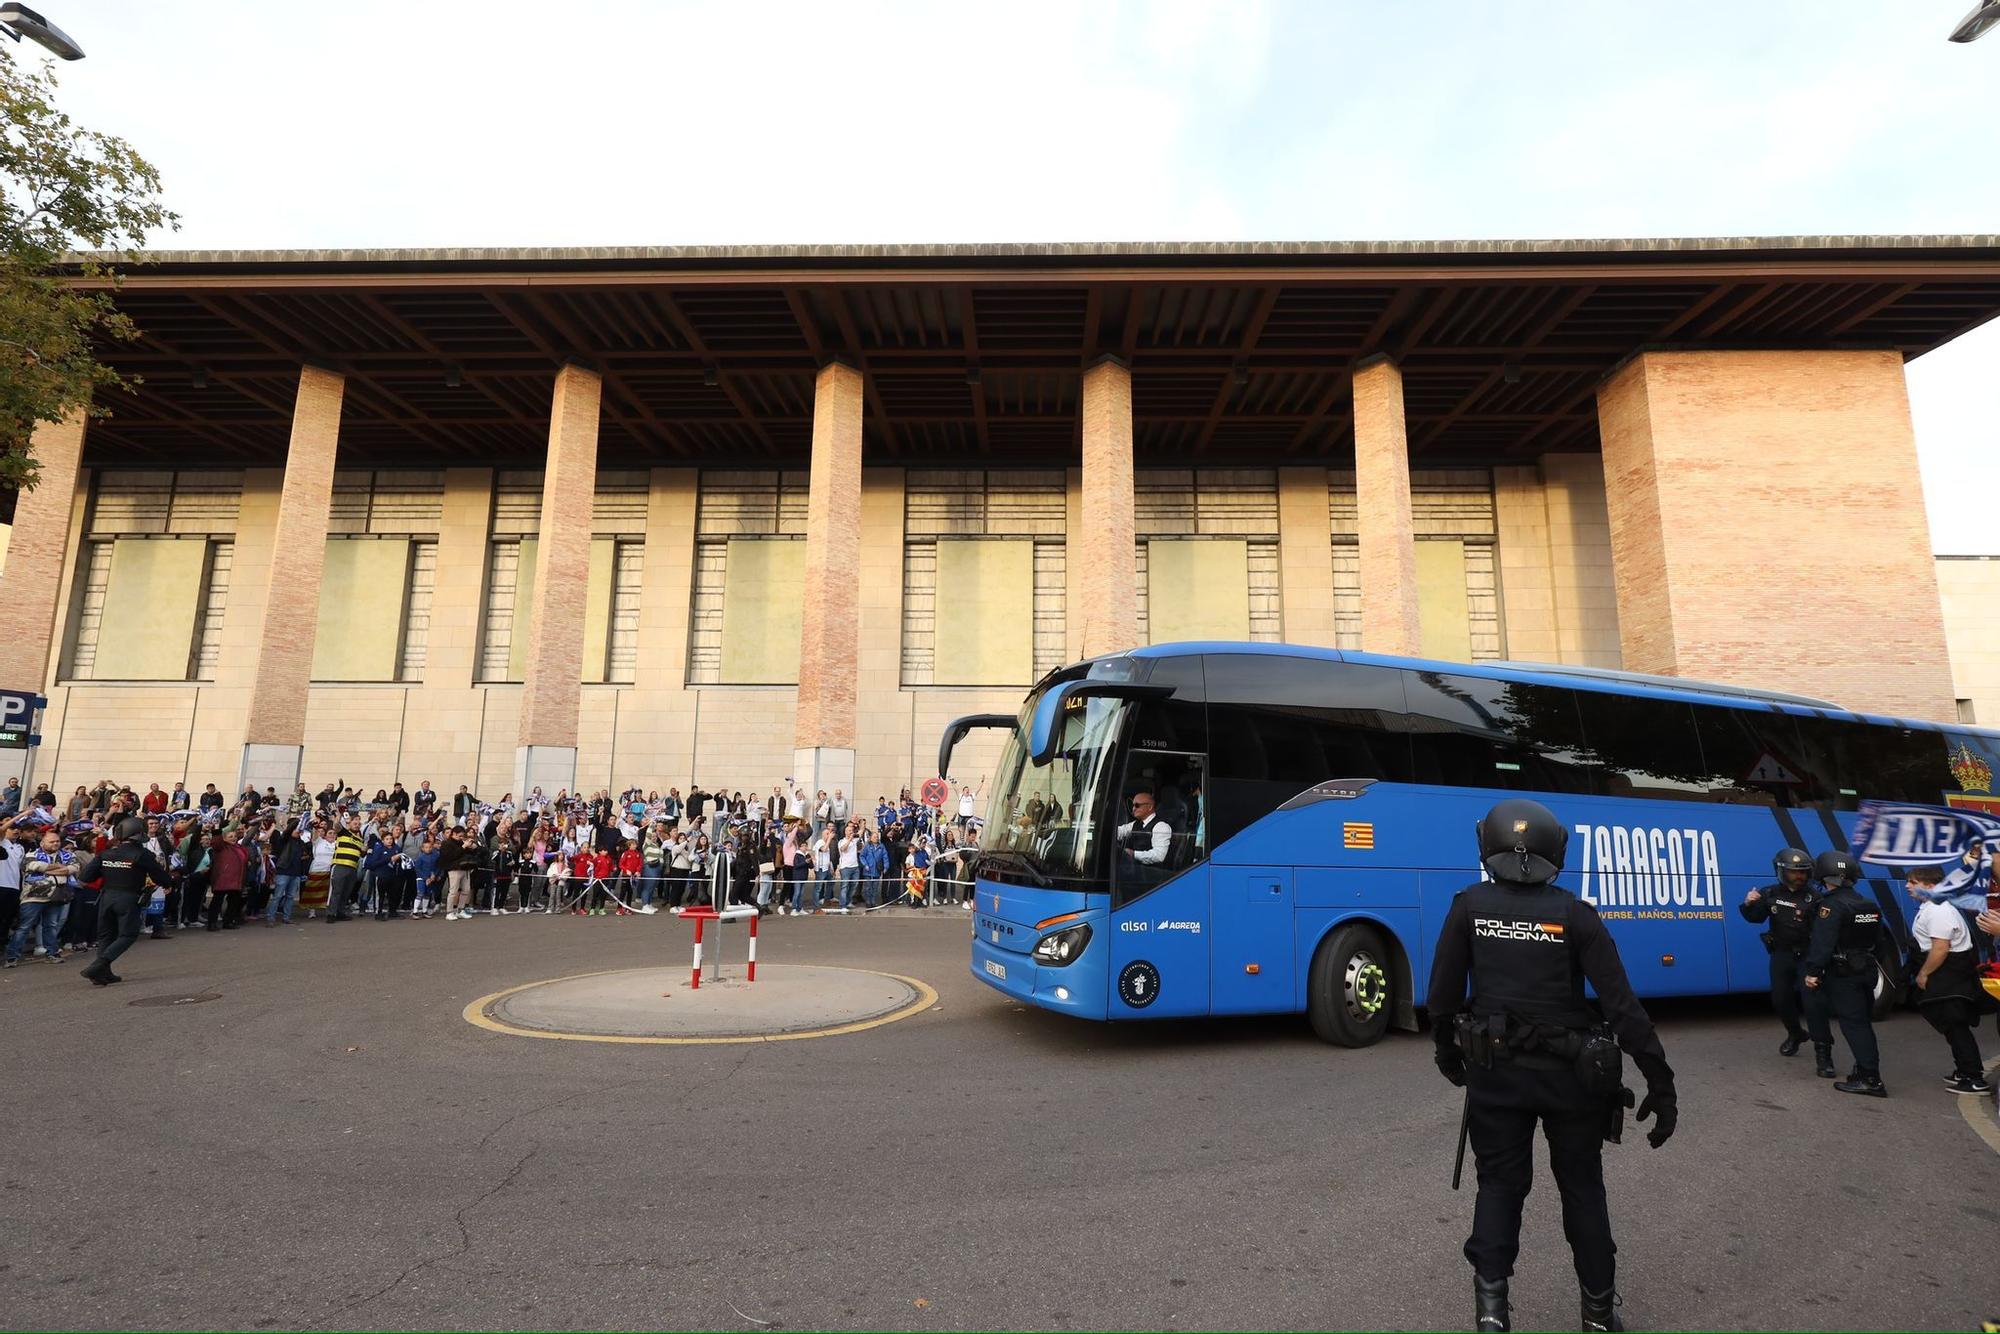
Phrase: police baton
pixel 1464 1129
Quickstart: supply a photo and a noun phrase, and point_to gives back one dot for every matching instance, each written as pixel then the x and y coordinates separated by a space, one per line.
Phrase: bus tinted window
pixel 1752 756
pixel 1847 762
pixel 1279 725
pixel 1467 731
pixel 1646 747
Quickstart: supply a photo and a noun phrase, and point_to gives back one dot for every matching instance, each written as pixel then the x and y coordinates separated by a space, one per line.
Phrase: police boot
pixel 1823 1060
pixel 1600 1310
pixel 1865 1082
pixel 1489 1306
pixel 1790 1046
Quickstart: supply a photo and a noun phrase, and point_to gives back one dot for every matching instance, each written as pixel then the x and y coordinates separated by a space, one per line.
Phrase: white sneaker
pixel 451 917
pixel 648 909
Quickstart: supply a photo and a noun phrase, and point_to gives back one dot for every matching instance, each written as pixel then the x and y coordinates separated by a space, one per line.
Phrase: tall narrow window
pixel 983 576
pixel 1208 554
pixel 749 578
pixel 153 577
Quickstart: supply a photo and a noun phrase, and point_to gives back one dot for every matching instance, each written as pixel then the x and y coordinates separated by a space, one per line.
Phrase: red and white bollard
pixel 701 918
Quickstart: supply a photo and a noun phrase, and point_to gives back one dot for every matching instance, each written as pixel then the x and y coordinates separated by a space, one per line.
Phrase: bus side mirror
pixel 956 730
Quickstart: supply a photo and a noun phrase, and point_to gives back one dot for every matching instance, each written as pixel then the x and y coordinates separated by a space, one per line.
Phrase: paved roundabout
pixel 657 1005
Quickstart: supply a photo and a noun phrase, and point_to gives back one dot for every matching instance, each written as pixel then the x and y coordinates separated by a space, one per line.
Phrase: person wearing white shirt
pixel 1948 990
pixel 1145 839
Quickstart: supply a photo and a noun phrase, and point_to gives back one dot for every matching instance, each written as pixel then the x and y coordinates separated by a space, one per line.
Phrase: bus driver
pixel 1144 840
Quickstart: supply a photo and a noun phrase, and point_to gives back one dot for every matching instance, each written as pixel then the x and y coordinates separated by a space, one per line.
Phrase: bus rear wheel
pixel 1349 992
pixel 1891 984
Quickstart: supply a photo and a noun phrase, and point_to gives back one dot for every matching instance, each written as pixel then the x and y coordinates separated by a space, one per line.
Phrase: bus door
pixel 1159 910
pixel 1251 951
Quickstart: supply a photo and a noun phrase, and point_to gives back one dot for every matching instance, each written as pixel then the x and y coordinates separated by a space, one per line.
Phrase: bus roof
pixel 1604 680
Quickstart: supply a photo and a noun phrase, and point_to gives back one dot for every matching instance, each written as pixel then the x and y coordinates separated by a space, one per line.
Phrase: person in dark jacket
pixel 1789 906
pixel 1840 968
pixel 1528 1047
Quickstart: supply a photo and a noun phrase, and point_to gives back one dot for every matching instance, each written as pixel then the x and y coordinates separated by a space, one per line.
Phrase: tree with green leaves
pixel 74 203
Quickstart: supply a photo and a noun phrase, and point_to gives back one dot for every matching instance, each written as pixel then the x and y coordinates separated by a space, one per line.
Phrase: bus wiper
pixel 1019 858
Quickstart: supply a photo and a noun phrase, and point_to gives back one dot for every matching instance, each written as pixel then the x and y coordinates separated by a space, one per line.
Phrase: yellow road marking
pixel 1974 1111
pixel 475 1014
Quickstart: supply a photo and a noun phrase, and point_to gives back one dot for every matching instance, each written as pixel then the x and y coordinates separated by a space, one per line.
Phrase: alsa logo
pixel 1131 926
pixel 1177 925
pixel 1494 928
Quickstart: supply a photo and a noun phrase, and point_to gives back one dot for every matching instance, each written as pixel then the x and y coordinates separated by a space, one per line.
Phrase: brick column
pixel 552 686
pixel 1104 547
pixel 1387 544
pixel 275 734
pixel 32 578
pixel 34 568
pixel 1707 455
pixel 830 623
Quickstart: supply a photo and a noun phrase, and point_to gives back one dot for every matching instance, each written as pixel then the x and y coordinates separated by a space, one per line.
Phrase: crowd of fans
pixel 338 853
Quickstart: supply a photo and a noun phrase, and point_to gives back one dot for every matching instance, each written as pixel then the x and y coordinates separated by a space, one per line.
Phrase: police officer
pixel 1528 1047
pixel 125 866
pixel 1789 906
pixel 1840 969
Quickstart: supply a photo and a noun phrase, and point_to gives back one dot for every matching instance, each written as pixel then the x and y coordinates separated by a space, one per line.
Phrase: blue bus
pixel 1322 806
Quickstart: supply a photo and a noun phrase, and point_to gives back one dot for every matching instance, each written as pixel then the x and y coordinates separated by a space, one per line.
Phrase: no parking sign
pixel 935 791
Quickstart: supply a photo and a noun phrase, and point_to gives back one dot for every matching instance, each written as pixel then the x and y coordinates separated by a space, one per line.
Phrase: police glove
pixel 1664 1108
pixel 1451 1064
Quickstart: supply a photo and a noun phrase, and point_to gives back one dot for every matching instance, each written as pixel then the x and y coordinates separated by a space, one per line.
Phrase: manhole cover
pixel 195 999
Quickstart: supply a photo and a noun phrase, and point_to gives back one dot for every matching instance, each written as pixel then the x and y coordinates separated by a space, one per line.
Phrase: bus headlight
pixel 1059 948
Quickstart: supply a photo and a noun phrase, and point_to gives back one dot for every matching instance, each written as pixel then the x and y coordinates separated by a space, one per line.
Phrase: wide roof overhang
pixel 1242 354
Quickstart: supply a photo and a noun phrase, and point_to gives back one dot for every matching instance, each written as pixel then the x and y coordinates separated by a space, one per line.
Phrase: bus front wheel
pixel 1350 989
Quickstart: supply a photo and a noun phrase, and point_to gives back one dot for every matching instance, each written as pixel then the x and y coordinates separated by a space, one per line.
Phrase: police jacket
pixel 1845 934
pixel 125 866
pixel 1790 911
pixel 1528 949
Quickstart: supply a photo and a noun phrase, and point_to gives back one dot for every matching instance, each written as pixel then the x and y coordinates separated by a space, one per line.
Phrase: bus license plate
pixel 998 970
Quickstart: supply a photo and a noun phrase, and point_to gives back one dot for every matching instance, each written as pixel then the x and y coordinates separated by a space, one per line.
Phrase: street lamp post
pixel 18 21
pixel 1984 16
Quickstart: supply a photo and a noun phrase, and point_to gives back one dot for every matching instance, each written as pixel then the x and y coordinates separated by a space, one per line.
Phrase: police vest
pixel 1522 963
pixel 123 866
pixel 1791 914
pixel 1860 922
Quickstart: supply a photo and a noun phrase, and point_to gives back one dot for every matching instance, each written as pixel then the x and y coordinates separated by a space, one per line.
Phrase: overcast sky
pixel 429 123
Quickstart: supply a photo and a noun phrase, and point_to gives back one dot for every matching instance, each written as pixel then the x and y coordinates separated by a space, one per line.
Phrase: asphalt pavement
pixel 329 1144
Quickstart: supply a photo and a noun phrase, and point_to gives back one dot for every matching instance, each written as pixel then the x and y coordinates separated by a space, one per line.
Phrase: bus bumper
pixel 1077 988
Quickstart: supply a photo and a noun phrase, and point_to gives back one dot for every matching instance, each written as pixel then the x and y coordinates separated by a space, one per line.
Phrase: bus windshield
pixel 1046 814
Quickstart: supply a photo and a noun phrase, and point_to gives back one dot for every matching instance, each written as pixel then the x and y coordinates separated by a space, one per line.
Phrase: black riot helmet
pixel 131 829
pixel 1834 866
pixel 1792 859
pixel 1522 841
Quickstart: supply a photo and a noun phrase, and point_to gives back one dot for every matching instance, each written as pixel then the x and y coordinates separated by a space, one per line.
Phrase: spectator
pixel 345 885
pixel 289 855
pixel 179 799
pixel 10 799
pixel 44 889
pixel 850 866
pixel 457 876
pixel 228 866
pixel 1948 991
pixel 211 800
pixel 874 867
